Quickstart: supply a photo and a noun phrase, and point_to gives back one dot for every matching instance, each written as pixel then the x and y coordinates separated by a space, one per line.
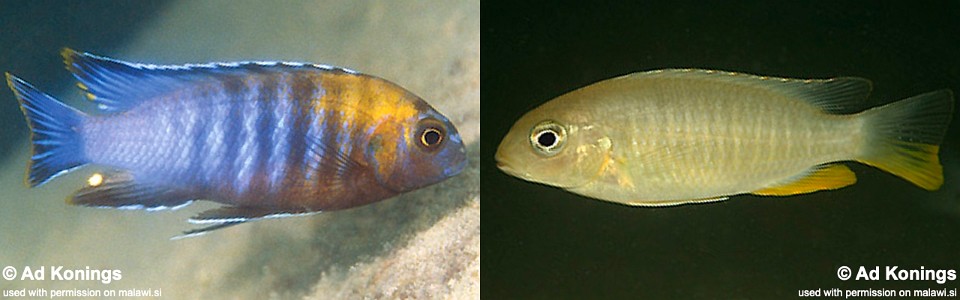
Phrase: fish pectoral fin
pixel 646 203
pixel 121 190
pixel 829 177
pixel 232 215
pixel 330 159
pixel 330 163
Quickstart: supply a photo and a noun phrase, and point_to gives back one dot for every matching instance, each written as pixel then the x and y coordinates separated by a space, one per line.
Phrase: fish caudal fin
pixel 57 146
pixel 904 137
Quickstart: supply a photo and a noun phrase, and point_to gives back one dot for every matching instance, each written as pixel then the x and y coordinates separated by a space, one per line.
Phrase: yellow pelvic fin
pixel 829 177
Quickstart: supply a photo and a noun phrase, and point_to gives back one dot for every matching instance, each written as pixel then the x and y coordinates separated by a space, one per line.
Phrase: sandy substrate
pixel 424 244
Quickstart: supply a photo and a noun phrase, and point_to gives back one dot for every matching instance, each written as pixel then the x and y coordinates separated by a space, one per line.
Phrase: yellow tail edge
pixel 903 138
pixel 915 162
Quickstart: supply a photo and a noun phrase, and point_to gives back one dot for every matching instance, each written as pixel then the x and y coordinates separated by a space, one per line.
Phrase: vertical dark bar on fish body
pixel 345 130
pixel 248 157
pixel 266 104
pixel 232 134
pixel 303 91
pixel 328 130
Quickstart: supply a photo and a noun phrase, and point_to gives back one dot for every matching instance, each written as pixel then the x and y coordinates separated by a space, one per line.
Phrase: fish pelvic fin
pixel 204 230
pixel 57 145
pixel 646 203
pixel 903 138
pixel 227 216
pixel 829 177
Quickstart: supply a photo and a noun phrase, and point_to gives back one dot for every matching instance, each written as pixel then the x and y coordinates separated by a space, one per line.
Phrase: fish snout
pixel 505 164
pixel 459 164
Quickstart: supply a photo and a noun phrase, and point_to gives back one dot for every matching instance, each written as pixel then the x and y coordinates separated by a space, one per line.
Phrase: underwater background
pixel 545 243
pixel 422 244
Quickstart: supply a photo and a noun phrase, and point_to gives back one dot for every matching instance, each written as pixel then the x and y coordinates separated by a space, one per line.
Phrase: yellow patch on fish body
pixel 370 102
pixel 679 136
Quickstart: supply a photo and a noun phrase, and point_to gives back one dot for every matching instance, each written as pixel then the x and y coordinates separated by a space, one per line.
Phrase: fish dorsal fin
pixel 820 178
pixel 841 95
pixel 116 85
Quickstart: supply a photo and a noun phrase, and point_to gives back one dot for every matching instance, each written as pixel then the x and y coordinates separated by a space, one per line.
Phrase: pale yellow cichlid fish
pixel 671 137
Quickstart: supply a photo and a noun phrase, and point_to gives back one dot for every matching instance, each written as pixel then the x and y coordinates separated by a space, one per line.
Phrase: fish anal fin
pixel 121 190
pixel 829 177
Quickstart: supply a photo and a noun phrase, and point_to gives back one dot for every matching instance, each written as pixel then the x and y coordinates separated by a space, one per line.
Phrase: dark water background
pixel 542 242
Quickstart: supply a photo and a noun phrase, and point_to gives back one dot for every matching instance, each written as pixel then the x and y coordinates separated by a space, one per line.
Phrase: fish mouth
pixel 457 168
pixel 506 166
pixel 502 164
pixel 507 169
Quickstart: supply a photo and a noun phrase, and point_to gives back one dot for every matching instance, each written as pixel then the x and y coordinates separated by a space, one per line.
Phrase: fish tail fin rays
pixel 120 190
pixel 57 146
pixel 904 137
pixel 818 178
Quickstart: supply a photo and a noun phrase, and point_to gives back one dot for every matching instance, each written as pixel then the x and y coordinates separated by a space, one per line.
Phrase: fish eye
pixel 431 137
pixel 548 137
pixel 431 134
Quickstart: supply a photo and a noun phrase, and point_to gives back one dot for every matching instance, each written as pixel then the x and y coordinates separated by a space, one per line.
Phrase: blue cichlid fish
pixel 268 139
pixel 669 137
